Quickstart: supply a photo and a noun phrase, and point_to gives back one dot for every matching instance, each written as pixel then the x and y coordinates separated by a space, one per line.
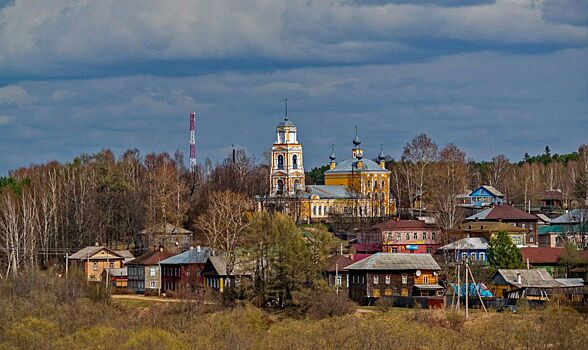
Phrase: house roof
pixel 396 261
pixel 543 217
pixel 166 229
pixel 127 255
pixel 367 247
pixel 490 189
pixel 359 257
pixel 552 195
pixel 572 217
pixel 116 272
pixel 469 243
pixel 541 255
pixel 350 165
pixel 328 191
pixel 490 227
pixel 90 251
pixel 337 262
pixel 219 264
pixel 502 212
pixel 151 258
pixel 192 256
pixel 538 278
pixel 571 282
pixel 559 229
pixel 402 225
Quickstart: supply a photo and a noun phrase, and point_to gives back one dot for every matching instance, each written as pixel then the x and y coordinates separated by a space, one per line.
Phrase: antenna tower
pixel 192 142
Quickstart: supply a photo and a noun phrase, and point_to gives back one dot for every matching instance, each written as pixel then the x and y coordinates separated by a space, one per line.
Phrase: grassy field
pixel 57 316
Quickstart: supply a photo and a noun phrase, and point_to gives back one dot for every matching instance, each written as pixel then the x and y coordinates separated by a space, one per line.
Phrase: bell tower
pixel 287 171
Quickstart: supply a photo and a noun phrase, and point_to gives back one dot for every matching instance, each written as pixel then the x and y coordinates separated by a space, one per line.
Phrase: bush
pixel 322 302
pixel 98 293
pixel 522 305
pixel 384 304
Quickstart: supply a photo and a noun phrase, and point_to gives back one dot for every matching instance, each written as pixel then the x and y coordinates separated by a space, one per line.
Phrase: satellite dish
pixel 418 273
pixel 435 273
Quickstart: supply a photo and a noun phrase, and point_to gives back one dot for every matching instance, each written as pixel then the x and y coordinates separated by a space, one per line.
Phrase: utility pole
pixel 66 264
pixel 337 278
pixel 458 287
pixel 467 291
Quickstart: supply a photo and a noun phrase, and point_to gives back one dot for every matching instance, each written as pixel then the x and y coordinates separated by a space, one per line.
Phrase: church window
pixel 280 162
pixel 280 185
pixel 295 161
pixel 296 184
pixel 314 210
pixel 320 210
pixel 383 185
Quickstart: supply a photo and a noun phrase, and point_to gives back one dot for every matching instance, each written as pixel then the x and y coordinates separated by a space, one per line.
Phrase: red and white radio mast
pixel 192 142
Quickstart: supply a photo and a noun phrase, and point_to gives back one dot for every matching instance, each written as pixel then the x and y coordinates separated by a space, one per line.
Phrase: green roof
pixel 544 230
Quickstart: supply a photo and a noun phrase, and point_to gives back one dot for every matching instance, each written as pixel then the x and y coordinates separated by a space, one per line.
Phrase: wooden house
pixel 335 272
pixel 508 280
pixel 144 271
pixel 172 238
pixel 486 230
pixel 117 277
pixel 182 273
pixel 513 216
pixel 216 276
pixel 483 197
pixel 393 275
pixel 475 249
pixel 94 259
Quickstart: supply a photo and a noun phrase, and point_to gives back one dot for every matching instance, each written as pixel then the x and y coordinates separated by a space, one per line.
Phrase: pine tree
pixel 503 253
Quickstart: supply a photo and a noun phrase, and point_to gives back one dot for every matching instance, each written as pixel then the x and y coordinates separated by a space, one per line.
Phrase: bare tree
pixel 224 223
pixel 421 152
pixel 450 180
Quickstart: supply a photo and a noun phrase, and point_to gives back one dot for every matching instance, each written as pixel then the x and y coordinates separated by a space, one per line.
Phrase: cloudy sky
pixel 504 76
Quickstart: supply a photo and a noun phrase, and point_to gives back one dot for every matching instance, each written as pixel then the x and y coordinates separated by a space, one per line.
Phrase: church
pixel 355 187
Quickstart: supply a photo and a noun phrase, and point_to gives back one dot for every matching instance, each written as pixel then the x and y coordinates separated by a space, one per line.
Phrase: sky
pixel 493 77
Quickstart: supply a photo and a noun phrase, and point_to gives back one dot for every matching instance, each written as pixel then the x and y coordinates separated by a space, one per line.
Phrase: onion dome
pixel 356 140
pixel 381 156
pixel 332 157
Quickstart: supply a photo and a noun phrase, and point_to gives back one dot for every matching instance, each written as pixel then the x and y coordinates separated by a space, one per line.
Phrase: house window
pixel 387 279
pixel 426 279
pixel 524 225
pixel 473 256
pixel 424 235
pixel 152 271
pixel 464 256
pixel 295 161
pixel 339 280
pixel 394 250
pixel 415 235
pixel 404 279
pixel 95 266
pixel 398 236
pixel 111 265
pixel 531 239
pixel 280 185
pixel 482 256
pixel 376 278
pixel 433 236
pixel 152 284
pixel 408 236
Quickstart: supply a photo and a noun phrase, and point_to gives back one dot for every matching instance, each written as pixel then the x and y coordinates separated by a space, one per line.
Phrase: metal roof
pixel 493 191
pixel 574 216
pixel 396 261
pixel 192 256
pixel 89 251
pixel 328 191
pixel 571 282
pixel 117 272
pixel 350 165
pixel 538 278
pixel 502 212
pixel 220 265
pixel 470 243
pixel 428 286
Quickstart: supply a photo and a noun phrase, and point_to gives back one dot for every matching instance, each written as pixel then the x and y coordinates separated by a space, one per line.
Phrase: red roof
pixel 341 260
pixel 541 255
pixel 367 247
pixel 508 212
pixel 359 257
pixel 151 258
pixel 402 225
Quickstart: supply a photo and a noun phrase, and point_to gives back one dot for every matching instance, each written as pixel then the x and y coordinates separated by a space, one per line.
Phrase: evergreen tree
pixel 503 253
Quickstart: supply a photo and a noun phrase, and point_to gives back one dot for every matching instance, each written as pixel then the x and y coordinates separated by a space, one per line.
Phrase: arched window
pixel 280 161
pixel 320 210
pixel 383 184
pixel 280 186
pixel 314 210
pixel 296 184
pixel 295 161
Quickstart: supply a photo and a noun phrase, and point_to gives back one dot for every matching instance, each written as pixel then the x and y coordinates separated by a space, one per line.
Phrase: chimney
pixel 198 249
pixel 519 278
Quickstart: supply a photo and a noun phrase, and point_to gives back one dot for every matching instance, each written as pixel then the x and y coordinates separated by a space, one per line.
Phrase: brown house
pixel 182 273
pixel 335 272
pixel 143 272
pixel 510 215
pixel 218 279
pixel 394 275
pixel 487 230
pixel 408 236
pixel 171 238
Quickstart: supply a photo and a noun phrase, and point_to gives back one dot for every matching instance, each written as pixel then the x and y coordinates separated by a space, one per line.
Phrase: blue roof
pixel 192 256
pixel 350 165
pixel 573 216
pixel 324 191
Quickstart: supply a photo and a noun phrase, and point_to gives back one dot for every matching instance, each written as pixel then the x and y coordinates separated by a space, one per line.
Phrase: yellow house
pixel 95 259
